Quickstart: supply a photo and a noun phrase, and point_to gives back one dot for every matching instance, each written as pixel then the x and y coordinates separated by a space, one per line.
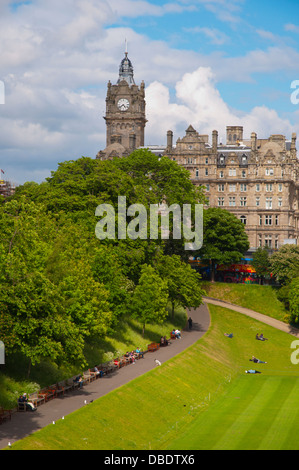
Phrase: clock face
pixel 123 104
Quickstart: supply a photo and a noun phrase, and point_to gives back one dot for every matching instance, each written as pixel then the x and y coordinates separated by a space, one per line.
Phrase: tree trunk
pixel 29 369
pixel 212 271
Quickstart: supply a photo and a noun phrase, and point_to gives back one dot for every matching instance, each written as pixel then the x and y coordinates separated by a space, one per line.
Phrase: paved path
pixel 23 424
pixel 258 316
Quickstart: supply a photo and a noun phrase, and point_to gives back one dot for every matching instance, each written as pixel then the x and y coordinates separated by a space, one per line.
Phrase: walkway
pixel 258 316
pixel 24 424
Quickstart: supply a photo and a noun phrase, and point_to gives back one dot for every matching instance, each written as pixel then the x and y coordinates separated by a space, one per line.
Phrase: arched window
pixel 243 219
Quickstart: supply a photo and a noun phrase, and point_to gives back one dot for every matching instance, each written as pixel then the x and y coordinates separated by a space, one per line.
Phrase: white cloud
pixel 200 104
pixel 56 60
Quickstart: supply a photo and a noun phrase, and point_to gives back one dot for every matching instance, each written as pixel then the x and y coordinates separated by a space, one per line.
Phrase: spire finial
pixel 126 47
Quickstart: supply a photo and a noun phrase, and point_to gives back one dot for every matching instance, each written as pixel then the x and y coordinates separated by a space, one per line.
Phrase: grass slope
pixel 201 399
pixel 262 299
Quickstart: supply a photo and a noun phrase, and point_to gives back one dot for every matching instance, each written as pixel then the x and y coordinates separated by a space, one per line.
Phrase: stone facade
pixel 125 114
pixel 255 179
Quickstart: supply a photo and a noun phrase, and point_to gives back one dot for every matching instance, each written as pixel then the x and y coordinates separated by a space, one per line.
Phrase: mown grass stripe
pixel 282 425
pixel 261 392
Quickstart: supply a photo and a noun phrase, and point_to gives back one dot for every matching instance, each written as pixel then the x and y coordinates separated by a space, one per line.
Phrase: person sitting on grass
pixel 257 361
pixel 230 335
pixel 261 337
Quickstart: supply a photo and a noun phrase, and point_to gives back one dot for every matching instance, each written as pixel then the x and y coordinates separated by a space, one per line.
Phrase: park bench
pixel 22 406
pixel 108 367
pixel 68 385
pixel 88 376
pixel 48 393
pixel 58 389
pixel 153 347
pixel 37 398
pixel 4 414
pixel 99 372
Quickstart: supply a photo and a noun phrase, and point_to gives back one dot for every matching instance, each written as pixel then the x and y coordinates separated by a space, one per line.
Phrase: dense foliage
pixel 60 284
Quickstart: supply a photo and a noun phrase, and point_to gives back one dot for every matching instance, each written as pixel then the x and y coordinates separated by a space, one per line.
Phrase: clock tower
pixel 125 114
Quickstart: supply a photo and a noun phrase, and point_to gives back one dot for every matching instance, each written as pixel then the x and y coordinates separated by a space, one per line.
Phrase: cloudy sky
pixel 209 63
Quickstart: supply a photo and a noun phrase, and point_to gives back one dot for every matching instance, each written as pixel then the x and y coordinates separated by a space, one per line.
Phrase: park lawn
pixel 186 395
pixel 262 299
pixel 257 413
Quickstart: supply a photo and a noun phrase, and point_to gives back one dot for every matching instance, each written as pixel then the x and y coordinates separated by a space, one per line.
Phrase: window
pixel 276 242
pixel 221 160
pixel 221 187
pixel 244 159
pixel 189 160
pixel 206 172
pixel 257 187
pixel 243 201
pixel 268 202
pixel 220 201
pixel 269 172
pixel 243 187
pixel 207 161
pixel 221 174
pixel 257 201
pixel 268 219
pixel 280 202
pixel 243 219
pixel 232 172
pixel 260 220
pixel 269 187
pixel 232 188
pixel 277 220
pixel 268 241
pixel 196 172
pixel 232 201
pixel 243 174
pixel 207 187
pixel 260 241
pixel 280 187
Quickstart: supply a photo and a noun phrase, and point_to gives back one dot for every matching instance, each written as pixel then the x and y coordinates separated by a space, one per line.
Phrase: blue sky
pixel 209 63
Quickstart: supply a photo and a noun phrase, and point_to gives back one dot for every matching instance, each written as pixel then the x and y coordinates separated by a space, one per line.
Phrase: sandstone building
pixel 255 179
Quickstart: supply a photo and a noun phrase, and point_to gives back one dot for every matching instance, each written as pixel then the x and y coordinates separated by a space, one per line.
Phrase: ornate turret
pixel 126 71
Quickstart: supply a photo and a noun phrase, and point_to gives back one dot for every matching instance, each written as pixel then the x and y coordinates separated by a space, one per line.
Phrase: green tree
pixel 224 238
pixel 48 296
pixel 150 298
pixel 261 262
pixel 285 263
pixel 294 300
pixel 183 282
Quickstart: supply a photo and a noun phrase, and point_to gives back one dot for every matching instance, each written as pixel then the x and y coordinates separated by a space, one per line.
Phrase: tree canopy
pixel 224 238
pixel 59 284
